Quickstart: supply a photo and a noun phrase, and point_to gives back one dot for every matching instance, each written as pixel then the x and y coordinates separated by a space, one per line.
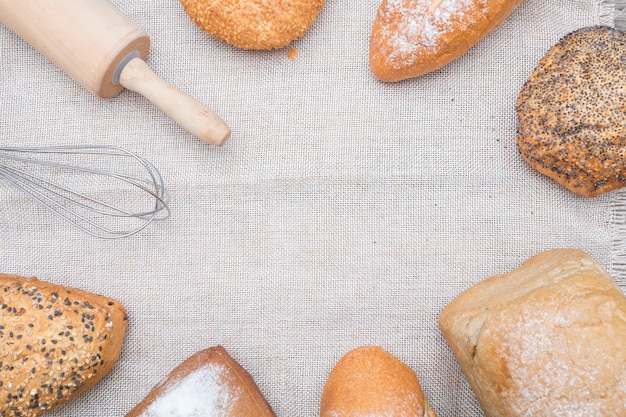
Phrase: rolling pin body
pixel 93 42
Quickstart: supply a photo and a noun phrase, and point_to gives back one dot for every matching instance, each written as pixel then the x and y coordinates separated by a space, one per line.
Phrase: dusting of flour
pixel 421 25
pixel 201 393
pixel 539 361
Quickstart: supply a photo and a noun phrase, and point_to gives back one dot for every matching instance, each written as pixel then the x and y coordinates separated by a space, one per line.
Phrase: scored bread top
pixel 56 342
pixel 545 339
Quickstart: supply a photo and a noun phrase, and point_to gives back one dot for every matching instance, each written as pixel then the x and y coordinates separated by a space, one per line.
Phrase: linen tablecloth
pixel 342 212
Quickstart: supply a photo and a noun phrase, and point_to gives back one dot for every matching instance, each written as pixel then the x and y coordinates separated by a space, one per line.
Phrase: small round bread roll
pixel 254 24
pixel 368 381
pixel 572 112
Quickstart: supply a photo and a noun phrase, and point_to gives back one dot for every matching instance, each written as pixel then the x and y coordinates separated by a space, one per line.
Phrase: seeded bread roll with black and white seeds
pixel 572 112
pixel 56 342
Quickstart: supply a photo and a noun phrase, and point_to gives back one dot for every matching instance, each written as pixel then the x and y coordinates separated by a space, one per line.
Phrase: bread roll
pixel 572 112
pixel 368 381
pixel 208 384
pixel 254 24
pixel 547 339
pixel 57 342
pixel 413 37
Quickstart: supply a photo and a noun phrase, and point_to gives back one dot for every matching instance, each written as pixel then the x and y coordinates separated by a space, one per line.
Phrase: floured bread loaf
pixel 412 37
pixel 547 339
pixel 208 384
pixel 254 24
pixel 572 112
pixel 57 342
pixel 368 381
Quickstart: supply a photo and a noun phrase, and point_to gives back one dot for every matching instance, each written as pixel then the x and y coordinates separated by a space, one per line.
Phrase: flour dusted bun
pixel 572 116
pixel 208 384
pixel 368 381
pixel 254 24
pixel 56 342
pixel 412 37
pixel 546 339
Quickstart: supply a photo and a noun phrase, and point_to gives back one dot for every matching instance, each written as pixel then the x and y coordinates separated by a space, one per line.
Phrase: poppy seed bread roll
pixel 57 342
pixel 546 339
pixel 572 112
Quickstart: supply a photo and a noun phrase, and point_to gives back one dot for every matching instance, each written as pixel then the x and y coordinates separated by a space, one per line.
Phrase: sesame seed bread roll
pixel 413 37
pixel 368 381
pixel 254 24
pixel 208 384
pixel 57 342
pixel 546 339
pixel 572 112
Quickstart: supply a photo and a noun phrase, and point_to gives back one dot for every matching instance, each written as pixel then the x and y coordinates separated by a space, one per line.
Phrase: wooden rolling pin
pixel 99 47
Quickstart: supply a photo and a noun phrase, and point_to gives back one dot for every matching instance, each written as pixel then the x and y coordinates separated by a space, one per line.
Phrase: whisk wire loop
pixel 80 208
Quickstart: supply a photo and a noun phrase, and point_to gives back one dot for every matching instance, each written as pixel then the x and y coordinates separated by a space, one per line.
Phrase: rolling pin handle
pixel 115 78
pixel 189 113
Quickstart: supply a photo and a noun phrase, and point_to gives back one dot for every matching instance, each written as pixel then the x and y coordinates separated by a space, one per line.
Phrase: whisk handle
pixel 184 109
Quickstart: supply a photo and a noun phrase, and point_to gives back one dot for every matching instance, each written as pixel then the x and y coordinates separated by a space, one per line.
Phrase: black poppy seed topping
pixel 572 112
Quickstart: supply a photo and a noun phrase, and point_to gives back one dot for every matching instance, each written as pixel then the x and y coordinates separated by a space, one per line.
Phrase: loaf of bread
pixel 208 384
pixel 572 112
pixel 413 37
pixel 368 381
pixel 57 342
pixel 254 24
pixel 547 339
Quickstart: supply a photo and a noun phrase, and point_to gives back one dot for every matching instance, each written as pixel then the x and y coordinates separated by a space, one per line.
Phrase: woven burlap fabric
pixel 342 212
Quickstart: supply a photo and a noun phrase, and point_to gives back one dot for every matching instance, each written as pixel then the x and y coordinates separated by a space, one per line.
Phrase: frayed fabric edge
pixel 618 262
pixel 611 13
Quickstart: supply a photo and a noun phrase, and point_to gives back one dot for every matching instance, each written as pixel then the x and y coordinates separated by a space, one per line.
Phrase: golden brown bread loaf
pixel 572 112
pixel 254 24
pixel 547 339
pixel 413 37
pixel 208 384
pixel 57 342
pixel 368 381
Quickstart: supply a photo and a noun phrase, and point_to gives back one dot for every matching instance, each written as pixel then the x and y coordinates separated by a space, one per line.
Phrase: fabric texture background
pixel 342 212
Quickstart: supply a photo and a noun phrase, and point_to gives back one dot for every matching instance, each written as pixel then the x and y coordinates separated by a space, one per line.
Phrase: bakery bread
pixel 254 24
pixel 208 384
pixel 546 339
pixel 413 37
pixel 57 342
pixel 572 112
pixel 368 381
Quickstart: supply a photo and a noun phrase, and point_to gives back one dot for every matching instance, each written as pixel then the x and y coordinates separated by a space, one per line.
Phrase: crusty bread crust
pixel 368 381
pixel 546 339
pixel 413 37
pixel 572 112
pixel 57 342
pixel 254 24
pixel 246 399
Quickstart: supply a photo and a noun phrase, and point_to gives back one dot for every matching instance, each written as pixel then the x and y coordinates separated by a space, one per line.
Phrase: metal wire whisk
pixel 106 191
